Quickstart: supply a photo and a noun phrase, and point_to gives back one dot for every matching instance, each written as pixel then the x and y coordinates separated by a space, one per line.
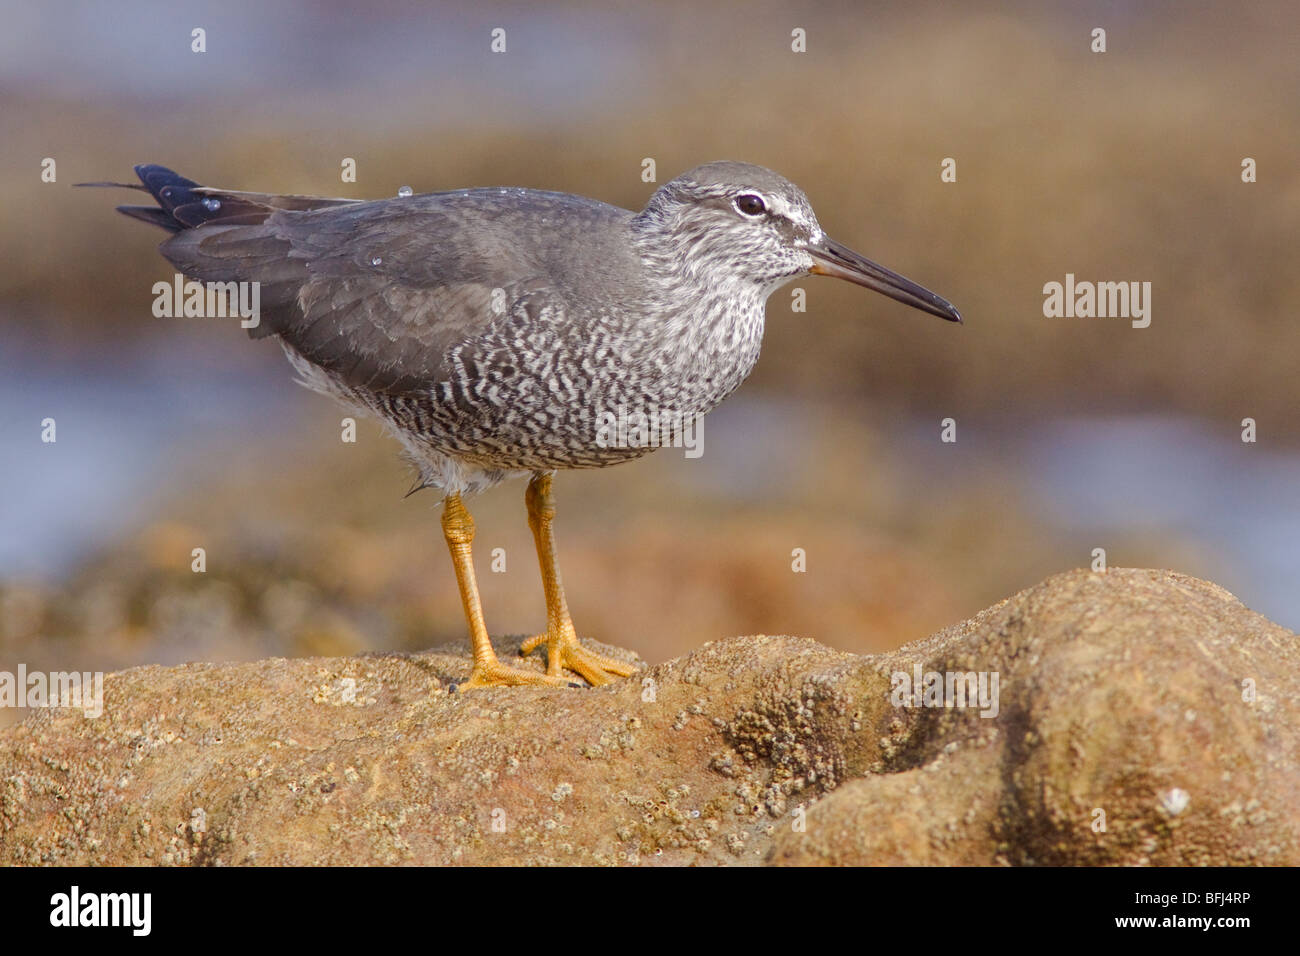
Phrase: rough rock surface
pixel 1147 702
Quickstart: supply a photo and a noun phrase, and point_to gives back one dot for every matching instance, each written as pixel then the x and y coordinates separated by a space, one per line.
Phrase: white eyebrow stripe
pixel 778 205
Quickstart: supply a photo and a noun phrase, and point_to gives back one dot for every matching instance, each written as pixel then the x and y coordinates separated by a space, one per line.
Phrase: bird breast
pixel 704 353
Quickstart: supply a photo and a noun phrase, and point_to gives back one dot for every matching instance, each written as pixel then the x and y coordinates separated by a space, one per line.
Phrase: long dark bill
pixel 838 260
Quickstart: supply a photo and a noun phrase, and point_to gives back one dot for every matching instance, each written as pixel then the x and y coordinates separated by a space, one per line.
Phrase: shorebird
pixel 494 330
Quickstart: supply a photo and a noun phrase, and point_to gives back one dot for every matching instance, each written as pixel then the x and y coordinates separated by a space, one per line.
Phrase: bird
pixel 494 331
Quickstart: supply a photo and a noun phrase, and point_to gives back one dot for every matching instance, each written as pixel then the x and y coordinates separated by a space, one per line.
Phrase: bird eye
pixel 751 205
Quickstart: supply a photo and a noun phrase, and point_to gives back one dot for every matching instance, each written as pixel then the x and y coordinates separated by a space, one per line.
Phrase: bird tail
pixel 184 204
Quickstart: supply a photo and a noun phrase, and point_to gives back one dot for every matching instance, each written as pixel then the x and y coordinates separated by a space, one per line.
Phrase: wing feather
pixel 382 293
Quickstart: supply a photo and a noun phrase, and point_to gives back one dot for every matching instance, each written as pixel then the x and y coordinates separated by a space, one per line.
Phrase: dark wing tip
pixel 110 185
pixel 152 215
pixel 156 178
pixel 178 205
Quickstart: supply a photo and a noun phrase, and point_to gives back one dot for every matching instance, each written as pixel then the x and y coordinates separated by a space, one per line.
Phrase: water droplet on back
pixel 405 191
pixel 211 205
pixel 376 260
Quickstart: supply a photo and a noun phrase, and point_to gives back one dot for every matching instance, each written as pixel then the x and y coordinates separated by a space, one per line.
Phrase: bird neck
pixel 709 321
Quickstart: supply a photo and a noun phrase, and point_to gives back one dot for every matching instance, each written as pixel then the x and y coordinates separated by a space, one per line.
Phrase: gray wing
pixel 380 293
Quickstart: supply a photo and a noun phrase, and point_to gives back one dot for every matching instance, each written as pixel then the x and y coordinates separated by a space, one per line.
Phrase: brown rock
pixel 1149 701
pixel 1120 692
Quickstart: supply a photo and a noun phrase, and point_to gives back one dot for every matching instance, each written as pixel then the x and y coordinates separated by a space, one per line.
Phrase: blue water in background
pixel 127 414
pixel 122 415
pixel 1242 500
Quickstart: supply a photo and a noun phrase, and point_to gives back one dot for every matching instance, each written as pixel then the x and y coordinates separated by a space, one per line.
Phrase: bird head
pixel 740 225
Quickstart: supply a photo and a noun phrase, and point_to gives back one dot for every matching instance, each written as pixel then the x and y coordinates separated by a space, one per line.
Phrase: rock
pixel 1145 700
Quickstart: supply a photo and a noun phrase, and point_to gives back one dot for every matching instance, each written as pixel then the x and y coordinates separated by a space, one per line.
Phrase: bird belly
pixel 515 407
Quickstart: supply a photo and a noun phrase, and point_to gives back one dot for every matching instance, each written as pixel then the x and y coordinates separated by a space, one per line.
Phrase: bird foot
pixel 495 674
pixel 563 652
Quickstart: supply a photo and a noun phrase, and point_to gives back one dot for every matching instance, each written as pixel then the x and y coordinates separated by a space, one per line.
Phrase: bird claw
pixel 495 674
pixel 564 652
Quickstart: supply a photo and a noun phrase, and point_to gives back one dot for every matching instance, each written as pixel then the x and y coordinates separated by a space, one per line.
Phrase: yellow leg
pixel 458 529
pixel 562 647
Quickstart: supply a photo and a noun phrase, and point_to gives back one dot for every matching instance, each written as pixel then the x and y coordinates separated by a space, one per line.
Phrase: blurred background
pixel 1072 434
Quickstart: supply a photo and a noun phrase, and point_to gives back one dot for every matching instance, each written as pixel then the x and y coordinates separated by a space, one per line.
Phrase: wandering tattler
pixel 495 330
